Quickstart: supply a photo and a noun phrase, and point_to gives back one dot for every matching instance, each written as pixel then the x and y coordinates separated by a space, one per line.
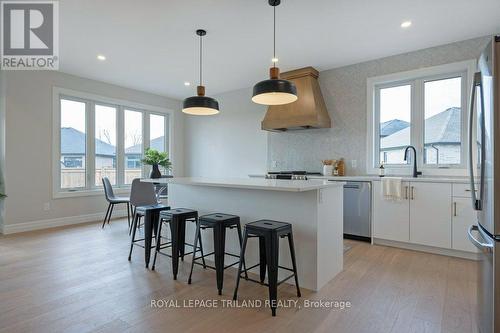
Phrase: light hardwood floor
pixel 78 279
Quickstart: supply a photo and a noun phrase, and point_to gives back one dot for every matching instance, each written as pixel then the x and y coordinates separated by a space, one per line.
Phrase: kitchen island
pixel 313 207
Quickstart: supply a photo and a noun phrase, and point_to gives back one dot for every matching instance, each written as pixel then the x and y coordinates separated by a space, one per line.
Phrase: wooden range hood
pixel 309 111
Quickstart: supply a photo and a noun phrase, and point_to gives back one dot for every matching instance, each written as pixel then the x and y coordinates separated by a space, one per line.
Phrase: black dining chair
pixel 113 200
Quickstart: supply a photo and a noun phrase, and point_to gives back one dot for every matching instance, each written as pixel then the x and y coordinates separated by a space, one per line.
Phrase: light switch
pixel 354 164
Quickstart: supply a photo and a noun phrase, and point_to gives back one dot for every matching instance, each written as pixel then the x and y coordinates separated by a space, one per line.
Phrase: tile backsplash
pixel 344 91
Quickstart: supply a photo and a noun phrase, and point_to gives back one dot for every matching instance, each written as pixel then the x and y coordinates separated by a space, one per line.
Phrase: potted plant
pixel 155 158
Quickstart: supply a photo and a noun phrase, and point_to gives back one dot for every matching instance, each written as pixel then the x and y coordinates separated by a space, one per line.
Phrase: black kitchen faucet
pixel 415 172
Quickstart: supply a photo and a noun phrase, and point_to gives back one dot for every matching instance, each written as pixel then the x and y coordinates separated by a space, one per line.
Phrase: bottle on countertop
pixel 381 170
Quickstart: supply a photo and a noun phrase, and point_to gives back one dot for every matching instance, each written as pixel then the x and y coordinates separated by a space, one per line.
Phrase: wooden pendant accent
pixel 201 90
pixel 274 73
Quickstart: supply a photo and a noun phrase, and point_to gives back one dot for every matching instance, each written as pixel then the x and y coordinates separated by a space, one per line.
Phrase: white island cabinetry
pixel 313 207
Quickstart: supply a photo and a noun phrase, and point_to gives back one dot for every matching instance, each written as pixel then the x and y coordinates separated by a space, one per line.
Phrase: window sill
pixel 89 193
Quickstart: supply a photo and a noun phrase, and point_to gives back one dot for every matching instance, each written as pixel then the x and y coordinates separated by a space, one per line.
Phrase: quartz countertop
pixel 369 178
pixel 256 183
pixel 428 179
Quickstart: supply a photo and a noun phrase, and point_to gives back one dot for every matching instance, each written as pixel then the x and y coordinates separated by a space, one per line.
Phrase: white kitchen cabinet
pixel 391 219
pixel 463 217
pixel 430 218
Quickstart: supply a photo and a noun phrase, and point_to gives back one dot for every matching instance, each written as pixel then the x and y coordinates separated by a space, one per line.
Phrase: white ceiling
pixel 151 45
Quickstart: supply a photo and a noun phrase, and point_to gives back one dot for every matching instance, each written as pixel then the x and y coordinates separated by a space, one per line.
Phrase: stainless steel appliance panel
pixel 485 232
pixel 357 209
pixel 488 293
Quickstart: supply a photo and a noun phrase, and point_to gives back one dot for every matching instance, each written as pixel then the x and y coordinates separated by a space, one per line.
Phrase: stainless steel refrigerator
pixel 484 169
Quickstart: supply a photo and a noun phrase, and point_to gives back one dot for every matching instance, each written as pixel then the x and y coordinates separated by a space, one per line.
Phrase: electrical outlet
pixel 274 164
pixel 46 206
pixel 354 164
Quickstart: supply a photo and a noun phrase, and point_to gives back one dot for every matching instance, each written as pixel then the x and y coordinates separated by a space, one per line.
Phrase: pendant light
pixel 274 91
pixel 200 105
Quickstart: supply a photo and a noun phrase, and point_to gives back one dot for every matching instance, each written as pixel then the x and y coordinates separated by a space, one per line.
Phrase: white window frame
pixel 416 78
pixel 91 100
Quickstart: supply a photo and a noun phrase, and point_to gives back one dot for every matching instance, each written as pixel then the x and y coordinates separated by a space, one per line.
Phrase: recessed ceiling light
pixel 187 84
pixel 101 57
pixel 406 24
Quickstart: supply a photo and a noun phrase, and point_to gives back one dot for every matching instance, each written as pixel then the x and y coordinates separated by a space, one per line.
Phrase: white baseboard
pixel 425 248
pixel 58 222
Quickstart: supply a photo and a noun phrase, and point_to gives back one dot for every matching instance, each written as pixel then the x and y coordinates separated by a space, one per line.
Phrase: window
pixel 443 119
pixel 73 145
pixel 394 123
pixel 133 145
pixel 100 137
pixel 105 144
pixel 423 108
pixel 73 161
pixel 158 133
pixel 133 162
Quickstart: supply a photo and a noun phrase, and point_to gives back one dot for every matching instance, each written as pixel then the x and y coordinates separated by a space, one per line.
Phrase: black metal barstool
pixel 269 233
pixel 176 218
pixel 218 222
pixel 151 215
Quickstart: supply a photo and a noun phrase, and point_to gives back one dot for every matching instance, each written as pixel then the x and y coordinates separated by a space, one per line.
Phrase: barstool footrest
pixel 212 253
pixel 139 245
pixel 245 271
pixel 266 284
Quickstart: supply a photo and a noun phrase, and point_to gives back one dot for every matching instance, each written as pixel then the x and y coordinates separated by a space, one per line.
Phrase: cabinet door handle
pixel 406 192
pixel 454 209
pixel 412 193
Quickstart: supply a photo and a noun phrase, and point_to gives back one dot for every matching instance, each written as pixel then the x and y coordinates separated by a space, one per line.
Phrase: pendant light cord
pixel 201 58
pixel 274 37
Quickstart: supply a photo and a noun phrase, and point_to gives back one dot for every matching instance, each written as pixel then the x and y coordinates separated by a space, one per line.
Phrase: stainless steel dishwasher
pixel 357 210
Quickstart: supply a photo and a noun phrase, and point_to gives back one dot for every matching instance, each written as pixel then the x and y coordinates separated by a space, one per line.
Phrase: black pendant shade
pixel 200 105
pixel 274 91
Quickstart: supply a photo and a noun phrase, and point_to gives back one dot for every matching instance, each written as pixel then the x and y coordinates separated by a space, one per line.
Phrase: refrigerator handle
pixel 478 244
pixel 476 203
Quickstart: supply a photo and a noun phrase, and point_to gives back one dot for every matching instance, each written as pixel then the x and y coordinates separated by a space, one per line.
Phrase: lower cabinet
pixel 463 217
pixel 430 218
pixel 391 219
pixel 429 215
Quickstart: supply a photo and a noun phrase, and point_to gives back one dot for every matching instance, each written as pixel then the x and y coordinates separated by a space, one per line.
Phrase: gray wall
pixel 230 144
pixel 28 151
pixel 344 90
pixel 2 144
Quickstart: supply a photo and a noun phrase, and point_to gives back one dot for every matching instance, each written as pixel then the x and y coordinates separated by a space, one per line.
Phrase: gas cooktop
pixel 293 175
